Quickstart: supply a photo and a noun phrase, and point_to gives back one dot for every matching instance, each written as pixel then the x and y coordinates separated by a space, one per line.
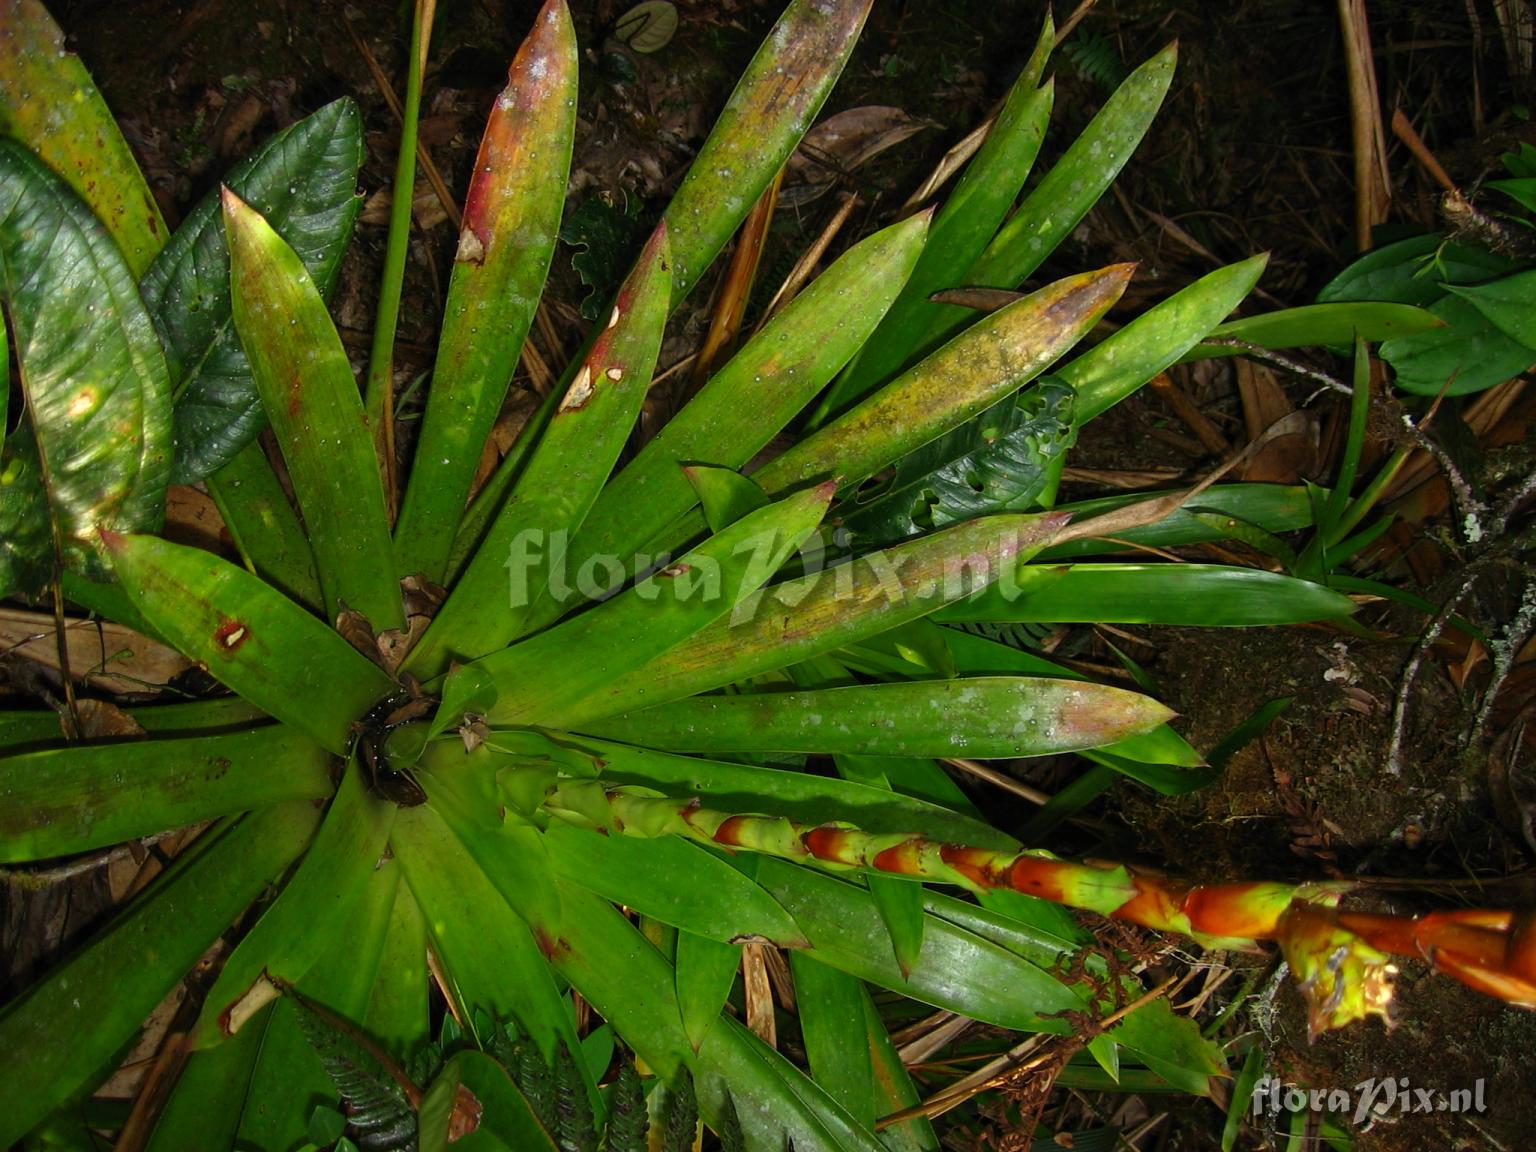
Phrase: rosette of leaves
pixel 409 821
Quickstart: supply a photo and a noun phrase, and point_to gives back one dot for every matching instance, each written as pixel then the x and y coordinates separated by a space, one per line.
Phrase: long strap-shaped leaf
pixel 93 447
pixel 49 102
pixel 986 716
pixel 805 617
pixel 101 996
pixel 1197 595
pixel 250 637
pixel 774 103
pixel 291 934
pixel 316 413
pixel 969 219
pixel 745 404
pixel 563 477
pixel 990 360
pixel 537 681
pixel 65 800
pixel 511 216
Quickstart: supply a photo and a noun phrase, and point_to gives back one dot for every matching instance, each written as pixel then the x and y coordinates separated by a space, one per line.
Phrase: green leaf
pixel 1196 595
pixel 487 951
pixel 304 182
pixel 628 1120
pixel 1469 355
pixel 303 922
pixel 968 220
pixel 724 495
pixel 1272 507
pixel 92 449
pixel 205 1106
pixel 436 1110
pixel 981 366
pixel 377 1107
pixel 563 476
pixel 1111 370
pixel 506 1112
pixel 830 1005
pixel 825 610
pixel 693 889
pixel 398 1003
pixel 706 970
pixel 747 402
pixel 536 682
pixel 999 461
pixel 49 103
pixel 1074 184
pixel 984 717
pixel 1414 271
pixel 760 126
pixel 64 800
pixel 262 523
pixel 251 637
pixel 511 217
pixel 311 400
pixel 1509 304
pixel 101 996
pixel 1313 324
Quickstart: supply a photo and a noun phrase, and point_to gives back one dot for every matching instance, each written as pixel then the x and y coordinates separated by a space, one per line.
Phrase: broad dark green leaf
pixel 376 1104
pixel 398 1004
pixel 304 182
pixel 506 1113
pixel 64 800
pixel 1509 303
pixel 204 1108
pixel 997 462
pixel 1196 595
pixel 1469 355
pixel 251 637
pixel 93 446
pixel 101 996
pixel 511 216
pixel 49 103
pixel 1413 271
pixel 311 400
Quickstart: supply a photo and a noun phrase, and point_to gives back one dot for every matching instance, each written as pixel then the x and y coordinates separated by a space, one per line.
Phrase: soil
pixel 1252 153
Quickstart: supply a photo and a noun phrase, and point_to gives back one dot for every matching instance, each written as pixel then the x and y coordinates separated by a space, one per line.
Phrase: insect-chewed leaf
pixel 251 637
pixel 50 104
pixel 311 400
pixel 93 447
pixel 303 181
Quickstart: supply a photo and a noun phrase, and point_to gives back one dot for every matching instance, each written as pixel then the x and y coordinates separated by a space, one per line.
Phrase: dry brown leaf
pixel 101 653
pixel 839 145
pixel 1285 459
pixel 192 518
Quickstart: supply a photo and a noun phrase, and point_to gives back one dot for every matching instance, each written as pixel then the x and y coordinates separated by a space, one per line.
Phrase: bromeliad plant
pixel 566 774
